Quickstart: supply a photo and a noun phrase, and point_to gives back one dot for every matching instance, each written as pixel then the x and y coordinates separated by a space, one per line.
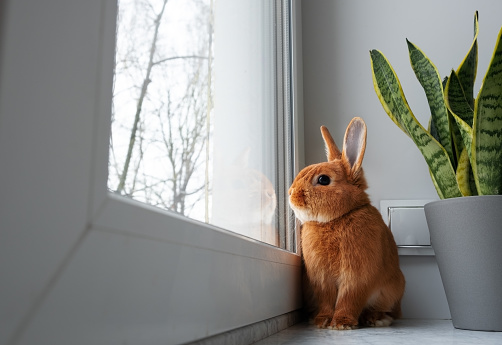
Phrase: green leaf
pixel 487 128
pixel 390 94
pixel 430 80
pixel 472 182
pixel 467 70
pixel 393 88
pixel 462 115
pixel 460 110
pixel 463 170
pixel 456 99
pixel 438 189
pixel 457 141
pixel 431 128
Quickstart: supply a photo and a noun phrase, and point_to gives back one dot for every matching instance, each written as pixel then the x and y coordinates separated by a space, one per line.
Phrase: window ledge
pixel 404 331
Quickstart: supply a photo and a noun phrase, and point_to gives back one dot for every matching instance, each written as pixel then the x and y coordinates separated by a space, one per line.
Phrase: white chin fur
pixel 308 216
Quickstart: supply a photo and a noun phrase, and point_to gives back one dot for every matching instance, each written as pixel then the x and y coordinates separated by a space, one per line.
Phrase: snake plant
pixel 463 142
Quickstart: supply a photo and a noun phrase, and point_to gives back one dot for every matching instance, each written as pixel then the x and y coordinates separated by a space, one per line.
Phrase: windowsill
pixel 404 331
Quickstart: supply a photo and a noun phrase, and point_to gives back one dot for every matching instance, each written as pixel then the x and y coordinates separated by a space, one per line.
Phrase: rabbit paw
pixel 322 321
pixel 343 323
pixel 378 319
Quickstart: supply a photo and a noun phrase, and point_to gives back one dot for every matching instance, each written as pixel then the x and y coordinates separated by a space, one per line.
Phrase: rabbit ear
pixel 332 151
pixel 354 144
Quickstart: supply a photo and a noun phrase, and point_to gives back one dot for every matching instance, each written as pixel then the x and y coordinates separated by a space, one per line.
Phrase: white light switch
pixel 406 220
pixel 409 226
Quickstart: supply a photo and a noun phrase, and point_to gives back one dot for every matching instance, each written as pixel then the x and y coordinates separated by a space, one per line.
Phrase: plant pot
pixel 466 234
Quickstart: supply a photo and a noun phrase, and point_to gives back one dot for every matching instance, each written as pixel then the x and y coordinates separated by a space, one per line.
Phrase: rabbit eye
pixel 323 180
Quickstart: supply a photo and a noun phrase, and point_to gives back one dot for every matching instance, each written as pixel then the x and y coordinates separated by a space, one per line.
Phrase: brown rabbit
pixel 350 255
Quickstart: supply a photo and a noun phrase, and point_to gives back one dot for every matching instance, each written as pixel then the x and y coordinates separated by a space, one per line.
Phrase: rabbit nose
pixel 291 190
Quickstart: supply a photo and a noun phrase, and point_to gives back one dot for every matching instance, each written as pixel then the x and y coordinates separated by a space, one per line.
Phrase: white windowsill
pixel 404 331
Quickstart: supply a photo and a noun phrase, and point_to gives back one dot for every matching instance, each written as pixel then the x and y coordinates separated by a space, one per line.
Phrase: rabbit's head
pixel 325 191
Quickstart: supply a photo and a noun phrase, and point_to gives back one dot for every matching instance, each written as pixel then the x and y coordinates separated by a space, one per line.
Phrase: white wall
pixel 337 37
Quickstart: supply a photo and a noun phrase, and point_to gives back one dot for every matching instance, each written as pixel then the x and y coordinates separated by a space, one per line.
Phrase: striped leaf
pixel 472 182
pixel 431 128
pixel 390 94
pixel 467 70
pixel 430 80
pixel 459 98
pixel 461 133
pixel 457 141
pixel 463 171
pixel 460 110
pixel 438 190
pixel 392 88
pixel 487 128
pixel 456 99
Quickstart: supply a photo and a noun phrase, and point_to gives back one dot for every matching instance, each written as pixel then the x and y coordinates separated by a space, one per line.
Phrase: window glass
pixel 195 121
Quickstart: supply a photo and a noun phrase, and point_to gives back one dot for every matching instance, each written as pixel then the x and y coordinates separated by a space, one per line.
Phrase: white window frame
pixel 108 276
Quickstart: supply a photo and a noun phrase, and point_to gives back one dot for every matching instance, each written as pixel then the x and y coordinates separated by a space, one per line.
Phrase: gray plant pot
pixel 466 234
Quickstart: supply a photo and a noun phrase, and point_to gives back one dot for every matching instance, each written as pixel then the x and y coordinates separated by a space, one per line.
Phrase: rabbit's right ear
pixel 332 151
pixel 354 144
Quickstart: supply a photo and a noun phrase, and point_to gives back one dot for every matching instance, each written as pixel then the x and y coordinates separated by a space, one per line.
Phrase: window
pixel 98 267
pixel 201 121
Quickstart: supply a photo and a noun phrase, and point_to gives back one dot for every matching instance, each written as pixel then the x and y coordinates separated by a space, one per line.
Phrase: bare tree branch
pixel 144 87
pixel 180 57
pixel 175 140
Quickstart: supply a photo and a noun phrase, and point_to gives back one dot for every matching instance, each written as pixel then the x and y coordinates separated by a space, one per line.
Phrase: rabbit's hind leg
pixel 382 310
pixel 374 318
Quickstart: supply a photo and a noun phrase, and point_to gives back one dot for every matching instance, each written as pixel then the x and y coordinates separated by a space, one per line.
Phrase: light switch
pixel 406 219
pixel 409 226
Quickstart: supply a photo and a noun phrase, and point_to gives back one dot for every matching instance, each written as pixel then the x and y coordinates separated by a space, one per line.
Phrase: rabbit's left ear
pixel 332 151
pixel 354 144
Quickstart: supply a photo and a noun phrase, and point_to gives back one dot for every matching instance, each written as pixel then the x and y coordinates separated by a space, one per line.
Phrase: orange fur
pixel 349 253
